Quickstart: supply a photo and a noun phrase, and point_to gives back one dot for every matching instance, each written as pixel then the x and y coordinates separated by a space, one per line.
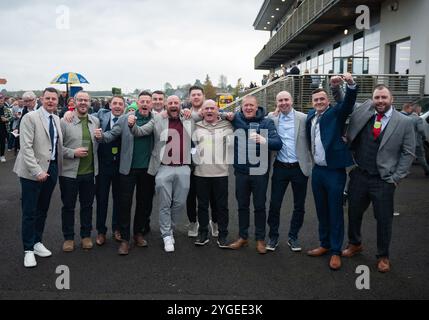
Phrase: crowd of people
pixel 183 156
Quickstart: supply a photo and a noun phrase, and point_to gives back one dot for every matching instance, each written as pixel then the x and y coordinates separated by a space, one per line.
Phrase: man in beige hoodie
pixel 213 138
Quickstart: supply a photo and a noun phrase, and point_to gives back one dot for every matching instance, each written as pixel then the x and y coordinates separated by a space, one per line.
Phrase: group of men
pixel 183 157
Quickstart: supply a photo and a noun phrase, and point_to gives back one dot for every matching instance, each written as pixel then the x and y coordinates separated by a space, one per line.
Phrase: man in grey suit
pixel 382 141
pixel 169 162
pixel 293 165
pixel 38 165
pixel 135 156
pixel 409 110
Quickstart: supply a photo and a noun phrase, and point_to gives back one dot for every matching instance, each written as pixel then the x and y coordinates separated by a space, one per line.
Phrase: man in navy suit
pixel 325 131
pixel 108 158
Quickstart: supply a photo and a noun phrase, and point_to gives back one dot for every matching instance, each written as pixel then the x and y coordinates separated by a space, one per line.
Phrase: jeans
pixel 36 198
pixel 280 182
pixel 245 186
pixel 83 186
pixel 213 191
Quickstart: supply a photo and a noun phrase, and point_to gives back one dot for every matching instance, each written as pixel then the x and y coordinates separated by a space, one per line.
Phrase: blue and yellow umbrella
pixel 69 78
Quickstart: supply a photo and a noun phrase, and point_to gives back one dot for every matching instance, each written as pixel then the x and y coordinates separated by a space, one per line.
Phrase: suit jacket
pixel 332 128
pixel 159 127
pixel 34 156
pixel 396 152
pixel 72 134
pixel 302 151
pixel 121 130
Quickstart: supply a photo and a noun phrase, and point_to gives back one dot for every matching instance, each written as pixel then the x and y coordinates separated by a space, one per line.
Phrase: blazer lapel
pixel 391 127
pixel 297 124
pixel 43 120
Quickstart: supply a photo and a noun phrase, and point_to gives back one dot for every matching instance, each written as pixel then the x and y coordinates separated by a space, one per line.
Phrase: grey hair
pixel 29 95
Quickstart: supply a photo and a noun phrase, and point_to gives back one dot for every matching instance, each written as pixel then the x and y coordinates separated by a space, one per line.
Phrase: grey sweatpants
pixel 172 187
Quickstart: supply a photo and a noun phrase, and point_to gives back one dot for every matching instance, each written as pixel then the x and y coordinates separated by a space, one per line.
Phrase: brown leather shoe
pixel 68 246
pixel 87 243
pixel 140 241
pixel 352 250
pixel 239 244
pixel 335 263
pixel 124 248
pixel 117 236
pixel 318 252
pixel 383 265
pixel 261 247
pixel 101 239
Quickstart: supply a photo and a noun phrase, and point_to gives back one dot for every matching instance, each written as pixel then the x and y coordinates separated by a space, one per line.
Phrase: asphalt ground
pixel 209 273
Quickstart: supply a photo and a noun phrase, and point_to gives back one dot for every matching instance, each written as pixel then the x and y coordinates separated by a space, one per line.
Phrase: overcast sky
pixel 129 44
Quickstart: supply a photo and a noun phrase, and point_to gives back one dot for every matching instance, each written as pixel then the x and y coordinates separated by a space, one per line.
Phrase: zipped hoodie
pixel 243 146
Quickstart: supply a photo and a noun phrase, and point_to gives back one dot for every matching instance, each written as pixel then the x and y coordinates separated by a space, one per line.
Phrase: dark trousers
pixel 245 186
pixel 144 197
pixel 36 198
pixel 364 189
pixel 280 181
pixel 103 183
pixel 328 188
pixel 213 192
pixel 3 136
pixel 83 186
pixel 191 203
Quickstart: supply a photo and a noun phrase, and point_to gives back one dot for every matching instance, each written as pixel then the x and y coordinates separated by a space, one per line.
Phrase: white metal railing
pixel 405 88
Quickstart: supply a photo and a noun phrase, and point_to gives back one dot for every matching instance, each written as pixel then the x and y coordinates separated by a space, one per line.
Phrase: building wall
pixel 411 20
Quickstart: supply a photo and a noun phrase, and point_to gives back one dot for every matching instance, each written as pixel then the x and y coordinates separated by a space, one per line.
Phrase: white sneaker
pixel 193 230
pixel 3 159
pixel 169 244
pixel 29 259
pixel 41 251
pixel 215 230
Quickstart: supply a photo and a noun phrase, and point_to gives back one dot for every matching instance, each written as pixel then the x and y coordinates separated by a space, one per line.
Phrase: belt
pixel 286 165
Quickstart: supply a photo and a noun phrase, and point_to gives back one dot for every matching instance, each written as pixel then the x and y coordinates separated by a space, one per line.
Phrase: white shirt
pixel 318 150
pixel 47 115
pixel 386 118
pixel 112 123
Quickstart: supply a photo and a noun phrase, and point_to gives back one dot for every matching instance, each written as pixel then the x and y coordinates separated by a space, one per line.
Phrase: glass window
pixel 347 48
pixel 358 47
pixel 372 38
pixel 337 51
pixel 373 56
pixel 328 56
pixel 402 57
pixel 327 67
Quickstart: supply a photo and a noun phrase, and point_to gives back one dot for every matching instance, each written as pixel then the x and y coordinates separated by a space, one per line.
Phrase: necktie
pixel 115 120
pixel 313 133
pixel 377 126
pixel 51 132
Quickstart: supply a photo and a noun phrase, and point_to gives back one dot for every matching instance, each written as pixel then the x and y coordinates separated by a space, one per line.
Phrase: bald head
pixel 210 111
pixel 173 107
pixel 284 102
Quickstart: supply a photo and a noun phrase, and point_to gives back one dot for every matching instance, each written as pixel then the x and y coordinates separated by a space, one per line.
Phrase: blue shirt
pixel 287 133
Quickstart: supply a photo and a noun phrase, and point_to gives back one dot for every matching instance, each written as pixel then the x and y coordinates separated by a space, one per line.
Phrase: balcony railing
pixel 405 88
pixel 303 16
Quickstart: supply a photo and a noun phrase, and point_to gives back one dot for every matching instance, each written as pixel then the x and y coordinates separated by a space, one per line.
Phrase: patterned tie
pixel 51 132
pixel 378 126
pixel 313 133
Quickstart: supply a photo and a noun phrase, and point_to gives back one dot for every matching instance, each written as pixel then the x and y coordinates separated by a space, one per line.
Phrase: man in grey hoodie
pixel 213 138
